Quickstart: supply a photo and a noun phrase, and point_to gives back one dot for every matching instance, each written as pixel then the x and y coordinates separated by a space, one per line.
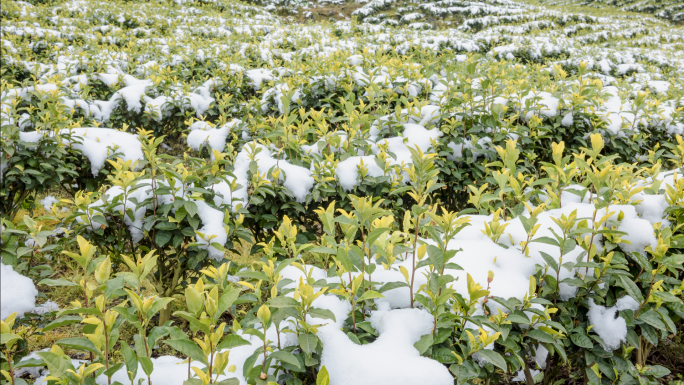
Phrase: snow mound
pixel 391 359
pixel 17 293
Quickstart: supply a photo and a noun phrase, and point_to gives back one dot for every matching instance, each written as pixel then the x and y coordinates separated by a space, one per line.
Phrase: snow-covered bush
pixel 495 200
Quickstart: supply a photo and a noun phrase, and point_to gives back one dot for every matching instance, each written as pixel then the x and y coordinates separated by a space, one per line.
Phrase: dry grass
pixel 40 211
pixel 245 256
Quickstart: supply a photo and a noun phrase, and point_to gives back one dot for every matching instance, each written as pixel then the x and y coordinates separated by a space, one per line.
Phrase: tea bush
pixel 431 193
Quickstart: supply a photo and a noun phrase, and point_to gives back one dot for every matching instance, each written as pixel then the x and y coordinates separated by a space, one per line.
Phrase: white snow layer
pixel 17 293
pixel 611 329
pixel 391 359
pixel 97 144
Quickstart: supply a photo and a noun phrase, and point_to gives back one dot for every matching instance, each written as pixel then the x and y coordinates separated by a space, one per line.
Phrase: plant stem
pixel 263 364
pixel 650 289
pixel 106 351
pixel 353 315
pixel 413 258
pixel 147 352
pixel 211 361
pixel 528 375
pixel 591 242
pixel 9 364
pixel 363 273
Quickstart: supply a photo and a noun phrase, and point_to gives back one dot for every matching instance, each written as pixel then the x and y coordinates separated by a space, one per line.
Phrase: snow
pixel 296 179
pixel 97 144
pixel 520 376
pixel 391 359
pixel 48 201
pixel 347 171
pixel 258 76
pixel 215 138
pixel 652 207
pixel 355 60
pixel 567 120
pixel 132 198
pixel 659 86
pixel 413 135
pixel 47 307
pixel 547 104
pixel 17 293
pixel 611 329
pixel 212 229
pixel 168 370
pixel 518 34
pixel 639 234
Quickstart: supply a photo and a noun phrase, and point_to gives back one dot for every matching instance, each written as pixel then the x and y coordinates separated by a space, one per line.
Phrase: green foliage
pixel 143 250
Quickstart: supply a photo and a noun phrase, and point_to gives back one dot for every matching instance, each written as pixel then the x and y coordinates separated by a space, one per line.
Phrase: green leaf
pixel 58 282
pixel 375 234
pixel 57 365
pixel 287 357
pixel 370 294
pixel 159 303
pixel 353 338
pixel 194 301
pixel 8 337
pixel 79 343
pixel 226 301
pixel 344 259
pixel 518 317
pixel 308 342
pixel 194 322
pixel 168 226
pixel 666 296
pixel 253 275
pixel 113 369
pixel 652 318
pixel 188 348
pixel 547 240
pixel 323 250
pixel 163 237
pixel 80 310
pixel 231 341
pixel 130 359
pixel 631 288
pixel 146 364
pixel 581 340
pixel 323 378
pixel 114 287
pixel 391 286
pixel 249 362
pixel 424 343
pixel 281 302
pixel 540 336
pixel 191 208
pixel 550 261
pixel 657 371
pixel 30 363
pixel 494 358
pixel 63 321
pixel 158 332
pixel 322 313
